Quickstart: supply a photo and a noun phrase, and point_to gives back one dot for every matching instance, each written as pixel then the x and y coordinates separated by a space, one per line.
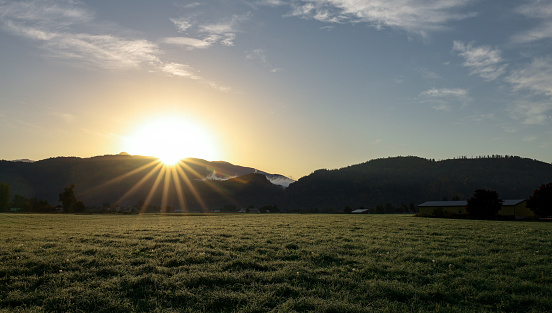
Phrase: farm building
pixel 513 208
pixel 516 208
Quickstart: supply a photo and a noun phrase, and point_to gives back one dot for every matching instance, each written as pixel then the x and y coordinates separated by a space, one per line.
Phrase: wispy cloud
pixel 543 31
pixel 482 60
pixel 272 3
pixel 415 16
pixel 46 13
pixel 445 92
pixel 541 10
pixel 442 99
pixel 531 112
pixel 56 36
pixel 535 76
pixel 188 42
pixel 181 70
pixel 67 30
pixel 256 55
pixel 259 56
pixel 182 24
pixel 206 35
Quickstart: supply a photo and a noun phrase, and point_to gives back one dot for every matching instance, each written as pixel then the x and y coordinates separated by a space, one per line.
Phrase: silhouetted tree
pixel 484 204
pixel 77 207
pixel 39 205
pixel 5 196
pixel 21 203
pixel 67 198
pixel 541 201
pixel 347 210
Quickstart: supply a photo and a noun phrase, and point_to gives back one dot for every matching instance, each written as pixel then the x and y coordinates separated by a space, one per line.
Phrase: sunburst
pixel 171 139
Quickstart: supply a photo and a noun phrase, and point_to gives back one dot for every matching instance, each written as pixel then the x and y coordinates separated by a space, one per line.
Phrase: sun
pixel 171 139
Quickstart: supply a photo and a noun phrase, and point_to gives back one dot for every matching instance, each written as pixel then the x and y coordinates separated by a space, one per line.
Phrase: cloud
pixel 256 55
pixel 442 99
pixel 414 16
pixel 206 34
pixel 536 10
pixel 181 70
pixel 535 77
pixel 54 24
pixel 225 32
pixel 531 112
pixel 543 31
pixel 259 56
pixel 46 13
pixel 272 3
pixel 483 60
pixel 188 42
pixel 445 92
pixel 105 51
pixel 182 24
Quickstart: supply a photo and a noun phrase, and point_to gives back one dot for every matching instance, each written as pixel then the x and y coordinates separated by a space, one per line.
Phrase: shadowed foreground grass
pixel 280 263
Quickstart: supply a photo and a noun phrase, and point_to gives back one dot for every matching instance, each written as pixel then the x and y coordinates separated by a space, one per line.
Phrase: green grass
pixel 279 263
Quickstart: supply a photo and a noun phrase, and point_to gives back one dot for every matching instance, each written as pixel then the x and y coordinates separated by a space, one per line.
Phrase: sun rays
pixel 170 181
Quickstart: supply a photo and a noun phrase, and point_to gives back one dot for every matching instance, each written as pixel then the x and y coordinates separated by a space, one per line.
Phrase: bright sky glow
pixel 286 86
pixel 171 139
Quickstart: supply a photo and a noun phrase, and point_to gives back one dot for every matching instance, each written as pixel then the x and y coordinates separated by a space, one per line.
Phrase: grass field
pixel 279 263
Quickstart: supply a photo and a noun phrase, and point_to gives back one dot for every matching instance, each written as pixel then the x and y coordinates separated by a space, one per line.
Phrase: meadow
pixel 277 263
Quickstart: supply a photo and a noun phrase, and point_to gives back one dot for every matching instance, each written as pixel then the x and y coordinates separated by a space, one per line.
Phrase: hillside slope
pixel 127 180
pixel 404 180
pixel 200 185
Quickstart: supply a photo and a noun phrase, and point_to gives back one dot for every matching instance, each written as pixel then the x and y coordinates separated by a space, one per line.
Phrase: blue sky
pixel 285 86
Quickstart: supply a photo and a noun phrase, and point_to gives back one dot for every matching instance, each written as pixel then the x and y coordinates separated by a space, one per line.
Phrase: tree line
pixel 68 202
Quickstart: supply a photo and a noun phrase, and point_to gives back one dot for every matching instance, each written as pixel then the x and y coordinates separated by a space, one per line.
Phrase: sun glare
pixel 171 139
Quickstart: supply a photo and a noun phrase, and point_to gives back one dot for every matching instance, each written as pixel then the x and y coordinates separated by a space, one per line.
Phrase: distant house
pixel 513 208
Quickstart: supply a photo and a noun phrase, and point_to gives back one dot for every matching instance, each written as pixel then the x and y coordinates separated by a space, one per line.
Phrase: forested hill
pixel 128 180
pixel 404 180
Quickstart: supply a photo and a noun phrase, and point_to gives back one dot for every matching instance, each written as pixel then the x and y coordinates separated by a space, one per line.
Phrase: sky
pixel 287 87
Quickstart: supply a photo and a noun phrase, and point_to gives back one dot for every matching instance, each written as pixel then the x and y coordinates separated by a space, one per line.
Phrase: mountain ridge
pixel 125 179
pixel 404 180
pixel 393 181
